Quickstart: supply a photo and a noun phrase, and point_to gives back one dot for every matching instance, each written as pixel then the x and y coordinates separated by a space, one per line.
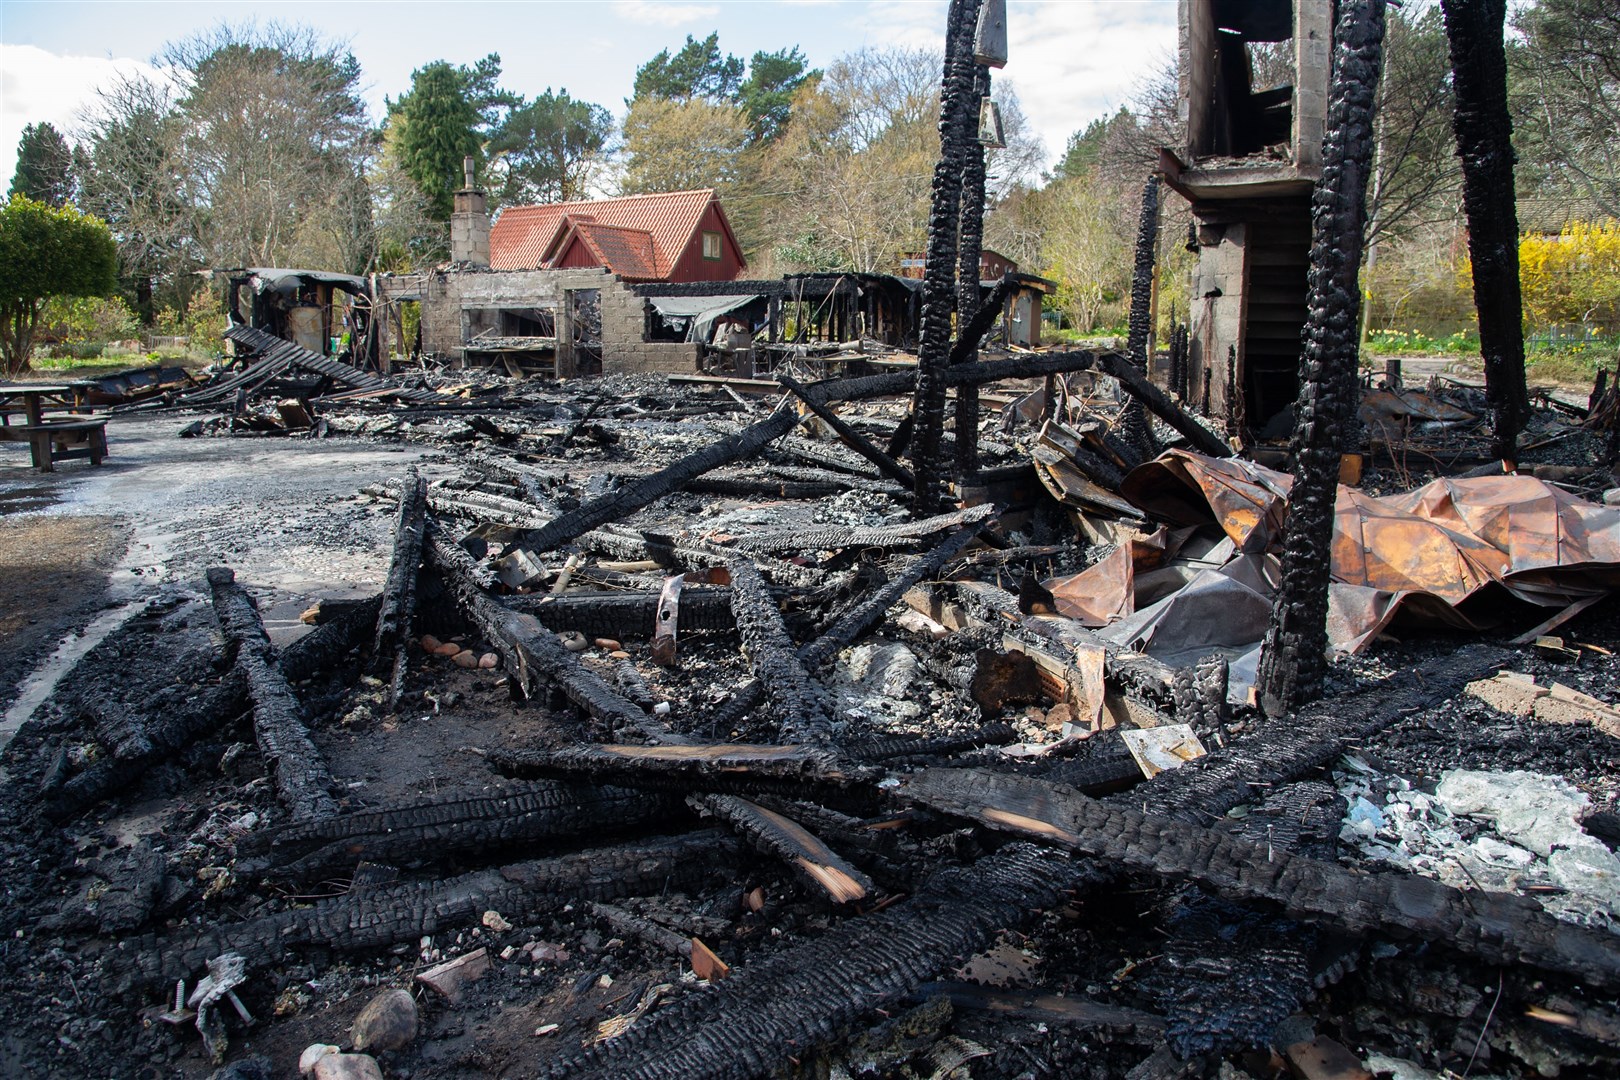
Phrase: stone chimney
pixel 469 225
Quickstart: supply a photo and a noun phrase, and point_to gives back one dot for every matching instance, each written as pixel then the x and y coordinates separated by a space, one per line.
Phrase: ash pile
pixel 675 746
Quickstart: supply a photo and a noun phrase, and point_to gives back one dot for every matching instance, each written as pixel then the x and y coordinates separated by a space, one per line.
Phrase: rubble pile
pixel 673 745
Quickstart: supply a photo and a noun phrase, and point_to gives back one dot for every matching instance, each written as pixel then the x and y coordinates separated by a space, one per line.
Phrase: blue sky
pixel 1071 60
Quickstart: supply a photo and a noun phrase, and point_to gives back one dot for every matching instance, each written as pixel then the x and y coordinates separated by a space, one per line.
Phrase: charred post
pixel 1294 659
pixel 970 234
pixel 1484 131
pixel 956 142
pixel 1134 426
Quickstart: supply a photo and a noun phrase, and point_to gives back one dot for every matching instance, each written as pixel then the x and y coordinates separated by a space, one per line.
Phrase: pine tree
pixel 44 166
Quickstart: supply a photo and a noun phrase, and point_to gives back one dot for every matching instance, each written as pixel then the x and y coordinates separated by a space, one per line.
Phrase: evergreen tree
pixel 44 166
pixel 767 93
pixel 697 70
pixel 446 116
pixel 552 147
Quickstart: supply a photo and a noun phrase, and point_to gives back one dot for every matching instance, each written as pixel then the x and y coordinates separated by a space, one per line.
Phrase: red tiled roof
pixel 630 253
pixel 525 237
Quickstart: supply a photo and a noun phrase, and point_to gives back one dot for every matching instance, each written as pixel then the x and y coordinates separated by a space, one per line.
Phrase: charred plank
pixel 811 861
pixel 303 782
pixel 530 651
pixel 1498 927
pixel 800 705
pixel 380 917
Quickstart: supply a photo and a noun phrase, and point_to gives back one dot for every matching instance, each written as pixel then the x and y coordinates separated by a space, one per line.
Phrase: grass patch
pixel 1574 366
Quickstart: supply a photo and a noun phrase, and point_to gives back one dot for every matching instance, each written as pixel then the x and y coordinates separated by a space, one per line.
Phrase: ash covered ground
pixel 124 871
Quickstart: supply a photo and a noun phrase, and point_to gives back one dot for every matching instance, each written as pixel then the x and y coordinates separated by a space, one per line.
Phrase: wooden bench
pixel 57 440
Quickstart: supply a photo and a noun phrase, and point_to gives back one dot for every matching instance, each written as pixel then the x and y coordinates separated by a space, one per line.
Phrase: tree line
pixel 256 148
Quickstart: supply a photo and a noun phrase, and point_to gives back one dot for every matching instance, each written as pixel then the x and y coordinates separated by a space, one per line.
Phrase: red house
pixel 674 236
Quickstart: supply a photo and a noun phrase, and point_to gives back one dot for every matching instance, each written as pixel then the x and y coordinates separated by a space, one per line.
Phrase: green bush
pixel 1418 343
pixel 77 320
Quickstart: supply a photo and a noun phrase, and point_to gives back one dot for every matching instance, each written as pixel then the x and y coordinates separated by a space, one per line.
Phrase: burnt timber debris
pixel 753 721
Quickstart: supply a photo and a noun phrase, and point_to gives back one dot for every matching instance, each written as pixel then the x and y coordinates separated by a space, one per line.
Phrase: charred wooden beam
pixel 1134 427
pixel 812 861
pixel 1498 927
pixel 692 767
pixel 1484 130
pixel 627 616
pixel 692 553
pixel 639 493
pixel 531 651
pixel 303 782
pixel 784 1004
pixel 377 918
pixel 398 605
pixel 800 705
pixel 452 825
pixel 902 382
pixel 331 641
pixel 851 438
pixel 1293 660
pixel 890 747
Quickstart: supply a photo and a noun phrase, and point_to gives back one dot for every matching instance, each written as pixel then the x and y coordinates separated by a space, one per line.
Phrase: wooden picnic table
pixel 32 396
pixel 51 440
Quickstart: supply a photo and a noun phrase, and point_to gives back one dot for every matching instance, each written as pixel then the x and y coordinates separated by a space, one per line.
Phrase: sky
pixel 1070 61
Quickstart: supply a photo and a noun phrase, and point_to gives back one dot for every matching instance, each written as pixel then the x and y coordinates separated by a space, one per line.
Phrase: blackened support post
pixel 956 139
pixel 967 282
pixel 1484 133
pixel 1293 663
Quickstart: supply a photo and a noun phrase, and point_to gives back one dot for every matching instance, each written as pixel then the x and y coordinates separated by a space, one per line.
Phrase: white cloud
pixel 37 86
pixel 1071 60
pixel 664 14
pixel 1075 61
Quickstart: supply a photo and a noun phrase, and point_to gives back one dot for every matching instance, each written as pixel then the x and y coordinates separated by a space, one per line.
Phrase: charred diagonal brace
pixel 448 826
pixel 1498 927
pixel 860 618
pixel 399 593
pixel 381 917
pixel 798 702
pixel 530 650
pixel 637 494
pixel 812 861
pixel 852 438
pixel 303 782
